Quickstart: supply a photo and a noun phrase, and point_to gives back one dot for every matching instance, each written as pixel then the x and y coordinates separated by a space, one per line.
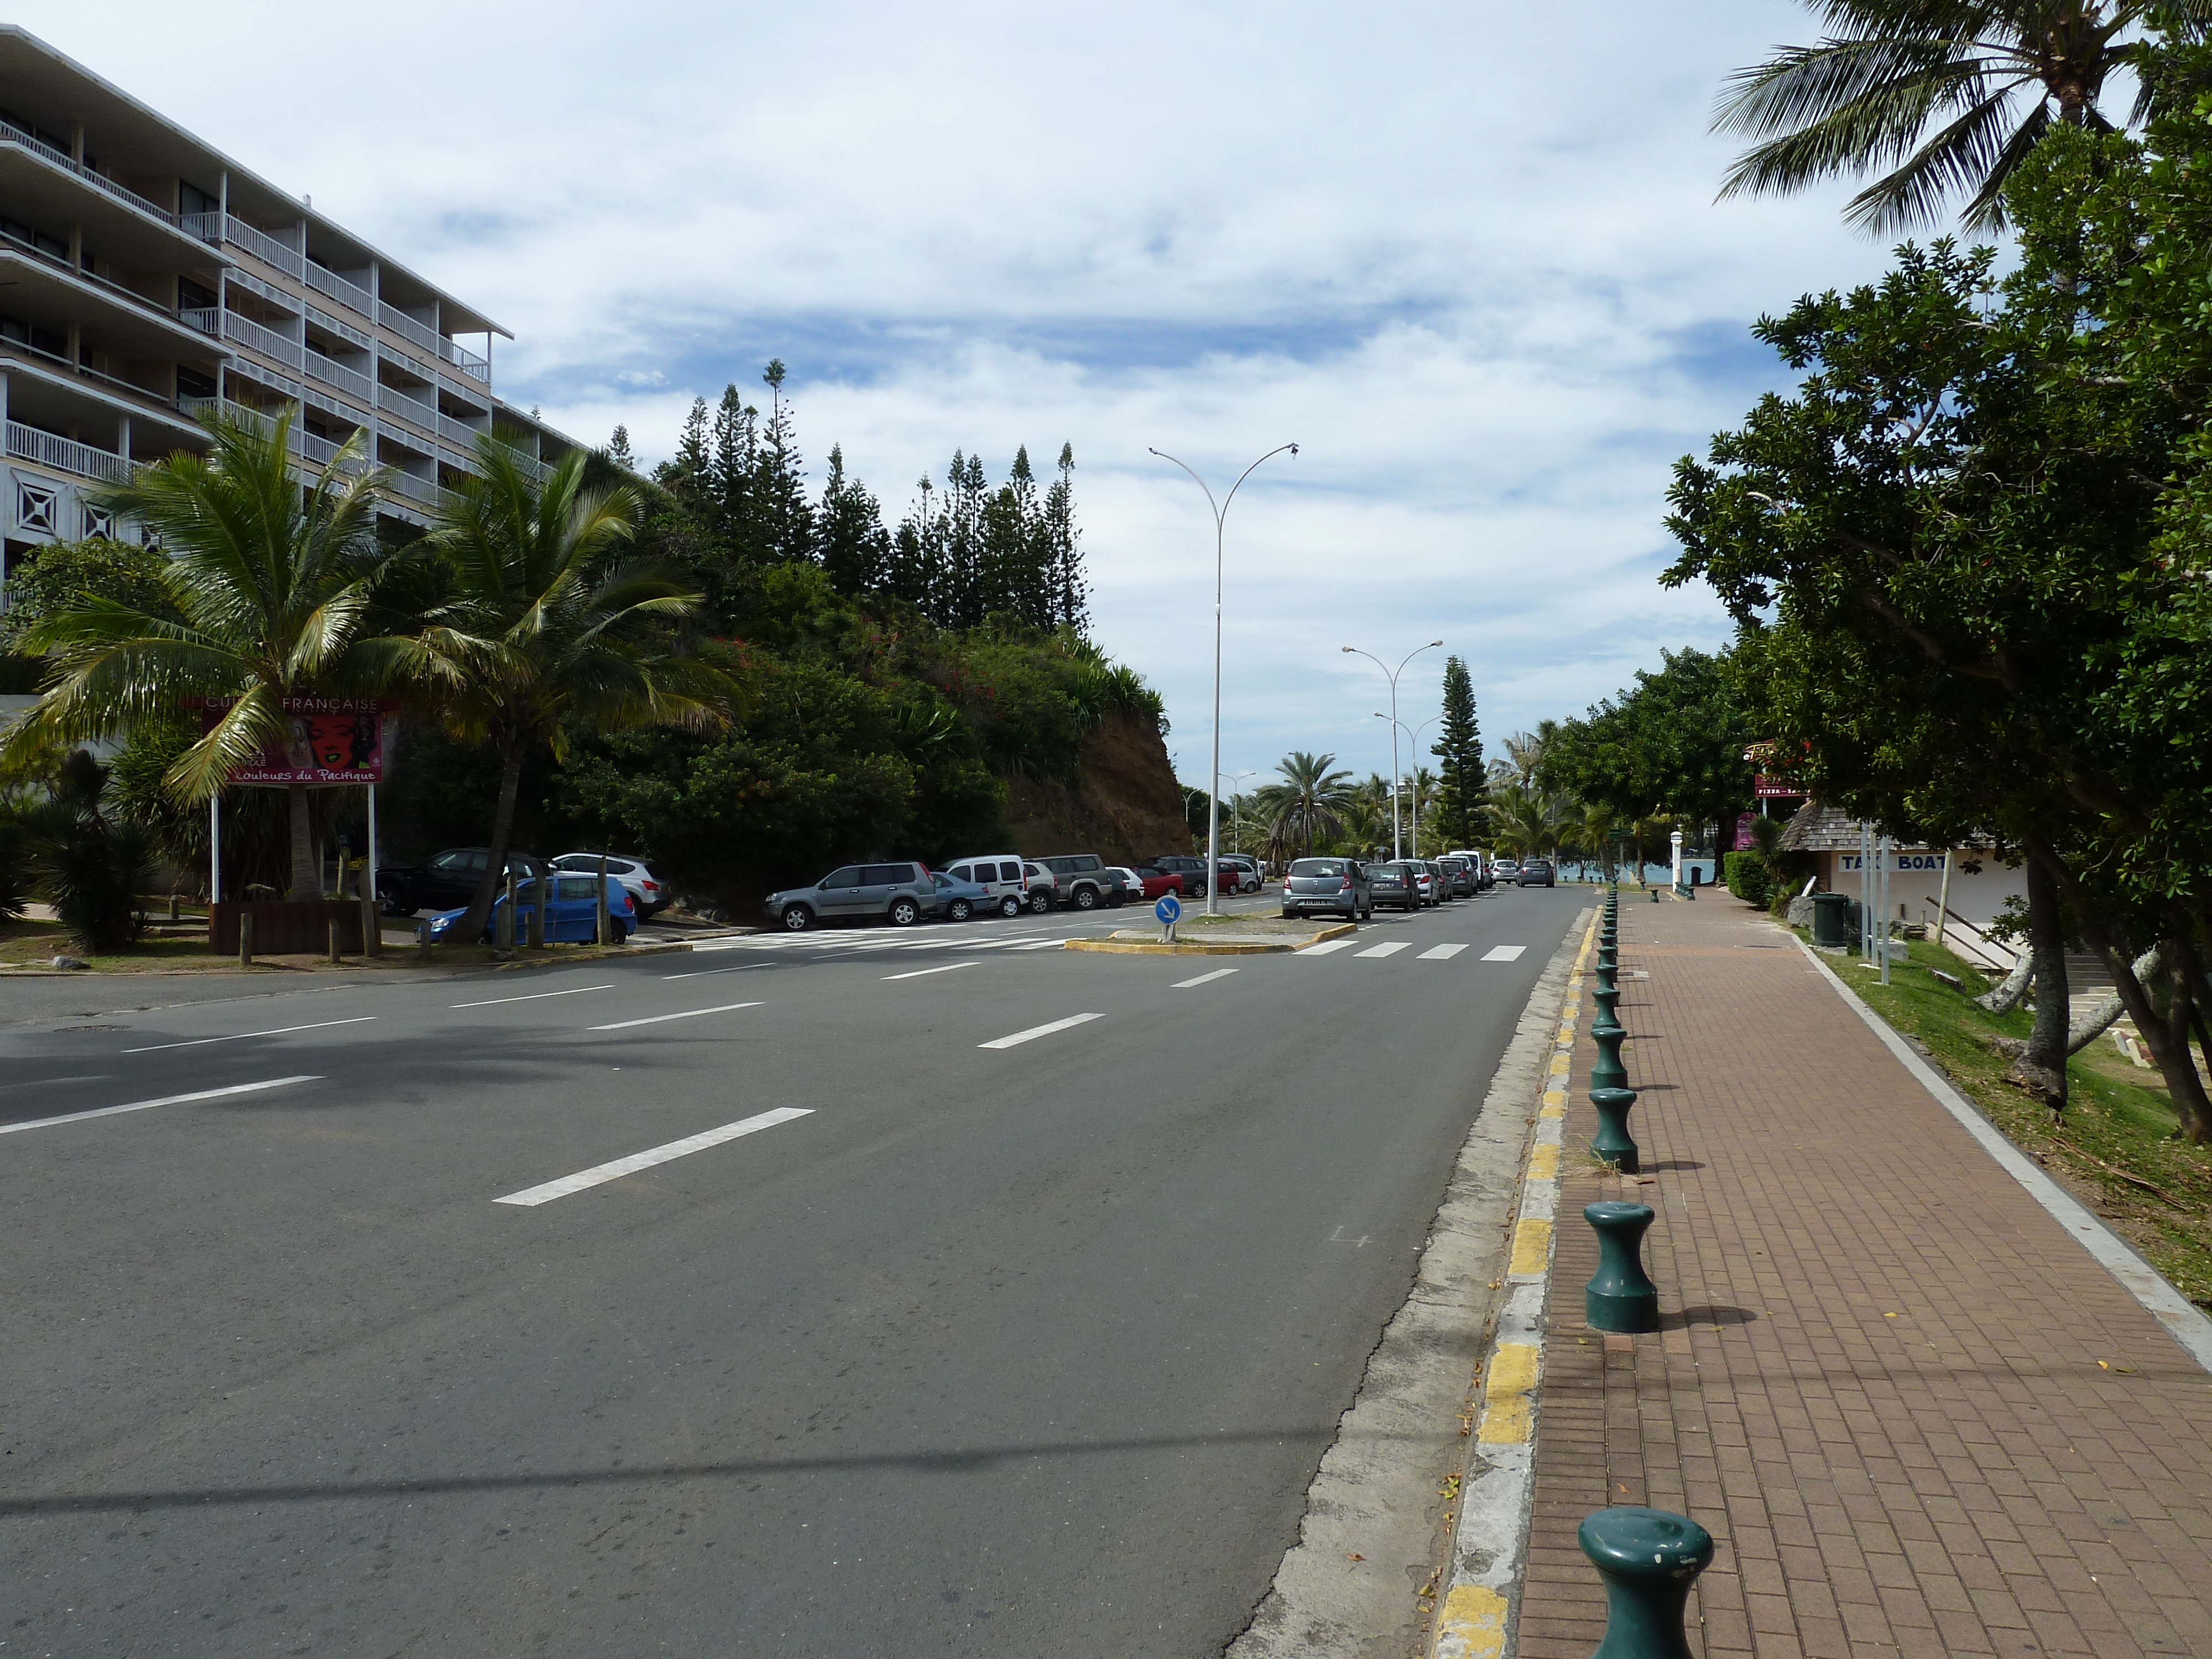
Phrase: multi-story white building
pixel 143 276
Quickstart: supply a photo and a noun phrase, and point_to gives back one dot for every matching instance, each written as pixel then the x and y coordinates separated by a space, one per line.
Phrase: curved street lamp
pixel 1237 802
pixel 1412 748
pixel 1213 790
pixel 1397 842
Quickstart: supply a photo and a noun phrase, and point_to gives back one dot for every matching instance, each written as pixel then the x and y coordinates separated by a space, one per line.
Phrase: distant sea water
pixel 1655 875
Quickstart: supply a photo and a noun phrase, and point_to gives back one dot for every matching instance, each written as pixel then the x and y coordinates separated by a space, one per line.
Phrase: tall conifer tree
pixel 1458 750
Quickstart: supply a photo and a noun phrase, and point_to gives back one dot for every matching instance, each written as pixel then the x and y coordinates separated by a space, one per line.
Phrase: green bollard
pixel 1620 1296
pixel 1613 1143
pixel 1648 1558
pixel 1608 1017
pixel 1608 1073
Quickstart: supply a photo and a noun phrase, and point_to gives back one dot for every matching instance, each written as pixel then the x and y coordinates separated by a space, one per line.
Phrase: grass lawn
pixel 2116 1145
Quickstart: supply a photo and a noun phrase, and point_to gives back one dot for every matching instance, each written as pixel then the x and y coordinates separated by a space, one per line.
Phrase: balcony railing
pixel 407 408
pixel 407 328
pixel 458 432
pixel 338 374
pixel 86 372
pixel 206 318
pixel 413 489
pixel 323 280
pixel 345 331
pixel 475 368
pixel 315 398
pixel 12 134
pixel 28 443
pixel 266 341
pixel 259 243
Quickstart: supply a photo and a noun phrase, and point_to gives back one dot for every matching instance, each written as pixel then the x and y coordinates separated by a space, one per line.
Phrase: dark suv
pixel 1084 882
pixel 1338 886
pixel 1192 870
pixel 445 882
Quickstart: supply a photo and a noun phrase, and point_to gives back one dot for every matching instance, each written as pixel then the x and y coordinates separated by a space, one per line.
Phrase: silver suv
pixel 901 894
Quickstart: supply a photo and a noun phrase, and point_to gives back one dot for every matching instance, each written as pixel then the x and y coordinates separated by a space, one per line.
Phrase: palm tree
pixel 1308 804
pixel 1592 834
pixel 541 626
pixel 1989 77
pixel 271 584
pixel 1525 822
pixel 1526 752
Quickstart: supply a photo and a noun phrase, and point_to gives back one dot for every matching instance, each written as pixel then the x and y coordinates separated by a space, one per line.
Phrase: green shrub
pixel 1747 878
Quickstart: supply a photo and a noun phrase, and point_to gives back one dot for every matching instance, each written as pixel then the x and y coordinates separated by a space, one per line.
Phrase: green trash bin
pixel 1832 920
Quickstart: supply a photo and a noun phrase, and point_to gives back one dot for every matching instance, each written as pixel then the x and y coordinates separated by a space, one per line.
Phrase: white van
pixel 1006 887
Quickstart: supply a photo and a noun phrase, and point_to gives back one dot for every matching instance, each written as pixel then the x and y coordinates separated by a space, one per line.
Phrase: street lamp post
pixel 1213 786
pixel 1412 748
pixel 1236 803
pixel 1397 841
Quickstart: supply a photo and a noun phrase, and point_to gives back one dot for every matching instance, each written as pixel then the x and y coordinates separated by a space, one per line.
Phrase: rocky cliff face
pixel 1130 806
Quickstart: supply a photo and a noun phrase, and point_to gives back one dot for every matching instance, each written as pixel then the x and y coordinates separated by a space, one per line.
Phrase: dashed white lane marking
pixel 688 1013
pixel 534 996
pixel 148 1105
pixel 1390 950
pixel 241 1036
pixel 1036 1031
pixel 1440 953
pixel 917 973
pixel 1042 944
pixel 701 973
pixel 599 1173
pixel 1504 953
pixel 1204 978
pixel 1328 947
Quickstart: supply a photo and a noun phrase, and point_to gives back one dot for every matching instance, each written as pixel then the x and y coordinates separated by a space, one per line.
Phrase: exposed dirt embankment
pixel 1130 807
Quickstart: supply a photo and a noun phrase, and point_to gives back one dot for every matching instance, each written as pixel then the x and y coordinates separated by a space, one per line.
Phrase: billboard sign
pixel 328 741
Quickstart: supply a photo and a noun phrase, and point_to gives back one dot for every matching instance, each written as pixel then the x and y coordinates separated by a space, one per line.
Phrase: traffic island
pixel 1217 936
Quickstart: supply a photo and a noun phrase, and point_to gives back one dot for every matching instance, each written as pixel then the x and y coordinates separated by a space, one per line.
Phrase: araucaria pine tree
pixel 1459 776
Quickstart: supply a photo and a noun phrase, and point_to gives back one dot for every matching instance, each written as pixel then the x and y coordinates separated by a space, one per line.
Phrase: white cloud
pixel 1467 256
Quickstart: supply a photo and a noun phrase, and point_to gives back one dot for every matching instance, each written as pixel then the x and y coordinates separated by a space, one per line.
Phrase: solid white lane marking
pixel 148 1105
pixel 688 1013
pixel 701 973
pixel 534 996
pixel 599 1173
pixel 1005 943
pixel 917 973
pixel 1042 944
pixel 1036 1031
pixel 1390 950
pixel 1328 946
pixel 1204 978
pixel 1504 953
pixel 241 1036
pixel 1440 953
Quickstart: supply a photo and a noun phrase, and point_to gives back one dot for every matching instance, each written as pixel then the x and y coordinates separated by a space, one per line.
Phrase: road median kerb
pixel 1371 1534
pixel 1242 947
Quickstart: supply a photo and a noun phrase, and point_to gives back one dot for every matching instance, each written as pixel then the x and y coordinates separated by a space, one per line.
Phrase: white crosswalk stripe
pixel 1440 952
pixel 1390 950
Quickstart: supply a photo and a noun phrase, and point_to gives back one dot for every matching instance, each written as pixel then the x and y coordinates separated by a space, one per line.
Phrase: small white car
pixel 1005 888
pixel 647 895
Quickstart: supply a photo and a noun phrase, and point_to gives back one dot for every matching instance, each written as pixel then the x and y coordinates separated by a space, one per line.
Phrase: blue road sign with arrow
pixel 1168 908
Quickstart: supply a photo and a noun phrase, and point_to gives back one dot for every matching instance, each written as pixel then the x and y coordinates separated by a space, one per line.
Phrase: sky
pixel 1467 257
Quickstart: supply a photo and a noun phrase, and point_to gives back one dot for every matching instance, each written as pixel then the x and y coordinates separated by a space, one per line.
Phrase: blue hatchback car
pixel 571 914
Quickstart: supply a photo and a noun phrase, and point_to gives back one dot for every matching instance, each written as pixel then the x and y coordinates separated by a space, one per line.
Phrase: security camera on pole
pixel 1213 781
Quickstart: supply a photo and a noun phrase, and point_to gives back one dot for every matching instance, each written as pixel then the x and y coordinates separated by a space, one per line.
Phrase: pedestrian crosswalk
pixel 833 946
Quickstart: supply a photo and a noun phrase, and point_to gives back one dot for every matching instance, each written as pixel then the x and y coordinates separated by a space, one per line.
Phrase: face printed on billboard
pixel 327 741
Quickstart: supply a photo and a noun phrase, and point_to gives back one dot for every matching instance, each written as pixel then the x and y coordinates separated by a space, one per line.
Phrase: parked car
pixel 1192 870
pixel 1044 887
pixel 1535 873
pixel 901 894
pixel 1083 880
pixel 1425 884
pixel 1157 883
pixel 446 881
pixel 1392 884
pixel 571 914
pixel 1459 871
pixel 645 892
pixel 1006 888
pixel 1128 885
pixel 1249 879
pixel 957 899
pixel 1336 886
pixel 1505 871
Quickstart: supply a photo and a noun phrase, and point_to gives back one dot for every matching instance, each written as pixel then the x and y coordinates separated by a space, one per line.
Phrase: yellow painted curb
pixel 1473 1626
pixel 1543 1161
pixel 1506 1394
pixel 1532 1248
pixel 1125 947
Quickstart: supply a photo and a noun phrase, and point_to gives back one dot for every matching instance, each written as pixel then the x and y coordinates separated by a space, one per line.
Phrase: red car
pixel 1158 881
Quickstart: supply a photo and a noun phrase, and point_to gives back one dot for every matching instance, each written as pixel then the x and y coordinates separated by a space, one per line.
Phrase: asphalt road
pixel 939 1348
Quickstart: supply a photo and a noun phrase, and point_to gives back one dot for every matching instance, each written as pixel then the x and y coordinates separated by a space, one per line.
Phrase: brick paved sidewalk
pixel 1916 1415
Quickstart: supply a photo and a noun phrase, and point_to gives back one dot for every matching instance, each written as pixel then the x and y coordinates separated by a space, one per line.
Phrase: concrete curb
pixel 1130 947
pixel 1481 1602
pixel 2183 1321
pixel 1367 1547
pixel 389 955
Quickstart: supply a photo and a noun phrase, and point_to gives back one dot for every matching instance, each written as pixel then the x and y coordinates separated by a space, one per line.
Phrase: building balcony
pixel 42 182
pixel 53 388
pixel 330 372
pixel 40 448
pixel 55 294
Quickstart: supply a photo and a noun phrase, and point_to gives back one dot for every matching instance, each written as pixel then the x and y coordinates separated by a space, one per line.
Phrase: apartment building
pixel 145 277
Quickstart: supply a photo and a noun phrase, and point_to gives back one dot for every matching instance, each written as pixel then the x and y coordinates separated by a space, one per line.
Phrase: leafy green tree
pixel 269 591
pixel 1671 744
pixel 1309 805
pixel 1989 77
pixel 542 626
pixel 1458 749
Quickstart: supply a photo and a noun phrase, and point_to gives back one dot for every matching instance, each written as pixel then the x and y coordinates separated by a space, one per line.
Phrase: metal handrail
pixel 338 374
pixel 407 328
pixel 262 245
pixel 327 281
pixel 412 409
pixel 345 331
pixel 12 134
pixel 475 368
pixel 267 341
